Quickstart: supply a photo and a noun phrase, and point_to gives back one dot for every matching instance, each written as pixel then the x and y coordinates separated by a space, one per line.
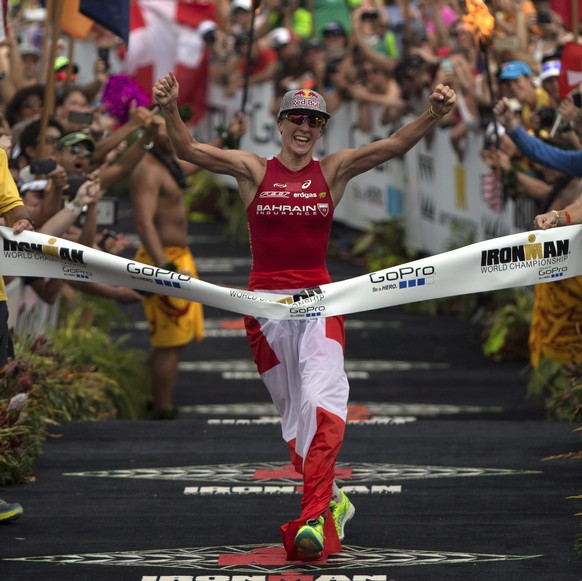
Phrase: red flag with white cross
pixel 570 77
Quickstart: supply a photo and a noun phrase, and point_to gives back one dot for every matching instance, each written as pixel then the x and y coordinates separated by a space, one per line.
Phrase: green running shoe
pixel 342 512
pixel 309 538
pixel 9 511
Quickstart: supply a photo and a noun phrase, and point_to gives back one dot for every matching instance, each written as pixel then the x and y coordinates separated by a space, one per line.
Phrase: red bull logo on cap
pixel 306 98
pixel 306 93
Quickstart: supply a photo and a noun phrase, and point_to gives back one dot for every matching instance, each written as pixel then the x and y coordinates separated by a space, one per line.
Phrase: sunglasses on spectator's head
pixel 299 118
pixel 75 149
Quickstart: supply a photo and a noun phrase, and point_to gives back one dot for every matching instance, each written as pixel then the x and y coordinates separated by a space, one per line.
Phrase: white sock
pixel 336 492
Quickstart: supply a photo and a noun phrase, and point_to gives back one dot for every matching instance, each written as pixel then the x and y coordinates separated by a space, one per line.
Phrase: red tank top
pixel 289 225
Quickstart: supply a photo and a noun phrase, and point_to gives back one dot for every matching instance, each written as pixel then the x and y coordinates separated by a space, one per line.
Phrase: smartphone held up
pixel 80 117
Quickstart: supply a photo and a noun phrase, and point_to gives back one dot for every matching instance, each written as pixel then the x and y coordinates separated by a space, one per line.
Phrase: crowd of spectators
pixel 386 55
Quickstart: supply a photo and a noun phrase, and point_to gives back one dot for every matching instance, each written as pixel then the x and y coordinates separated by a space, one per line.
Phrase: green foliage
pixel 382 246
pixel 40 387
pixel 507 330
pixel 559 387
pixel 459 236
pixel 84 333
pixel 203 196
pixel 77 372
pixel 235 229
pixel 209 198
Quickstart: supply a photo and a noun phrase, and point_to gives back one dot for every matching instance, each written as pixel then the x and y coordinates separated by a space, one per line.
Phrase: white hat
pixel 33 186
pixel 206 26
pixel 304 100
pixel 279 37
pixel 550 69
pixel 245 5
pixel 26 48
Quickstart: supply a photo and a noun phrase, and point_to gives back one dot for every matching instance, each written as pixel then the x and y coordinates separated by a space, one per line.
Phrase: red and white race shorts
pixel 302 365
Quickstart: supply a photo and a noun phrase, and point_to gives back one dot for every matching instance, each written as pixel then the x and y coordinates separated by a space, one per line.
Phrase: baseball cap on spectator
pixel 550 69
pixel 62 62
pixel 245 5
pixel 205 27
pixel 514 70
pixel 304 100
pixel 333 29
pixel 33 186
pixel 75 138
pixel 279 37
pixel 27 49
pixel 313 43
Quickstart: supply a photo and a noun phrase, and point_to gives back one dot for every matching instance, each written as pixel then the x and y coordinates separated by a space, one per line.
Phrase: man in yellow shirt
pixel 517 79
pixel 15 215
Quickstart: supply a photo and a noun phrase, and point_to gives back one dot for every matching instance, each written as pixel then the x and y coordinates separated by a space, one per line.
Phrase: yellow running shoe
pixel 342 512
pixel 309 538
pixel 9 511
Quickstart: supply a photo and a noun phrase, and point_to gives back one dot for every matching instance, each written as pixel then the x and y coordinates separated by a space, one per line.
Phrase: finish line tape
pixel 522 259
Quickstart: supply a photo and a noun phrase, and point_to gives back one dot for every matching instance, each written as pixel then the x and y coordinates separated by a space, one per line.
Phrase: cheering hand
pixel 166 90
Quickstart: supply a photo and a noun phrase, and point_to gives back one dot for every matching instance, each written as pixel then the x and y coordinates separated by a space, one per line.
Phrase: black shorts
pixel 6 347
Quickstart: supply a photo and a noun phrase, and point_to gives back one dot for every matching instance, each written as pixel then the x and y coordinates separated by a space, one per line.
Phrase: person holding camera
pixel 516 81
pixel 301 362
pixel 566 161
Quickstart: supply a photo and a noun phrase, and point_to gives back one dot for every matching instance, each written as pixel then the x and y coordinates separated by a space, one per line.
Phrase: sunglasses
pixel 312 120
pixel 29 103
pixel 75 149
pixel 62 76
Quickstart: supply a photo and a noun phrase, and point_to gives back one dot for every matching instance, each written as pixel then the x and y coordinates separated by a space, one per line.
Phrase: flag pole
pixel 70 56
pixel 255 6
pixel 56 10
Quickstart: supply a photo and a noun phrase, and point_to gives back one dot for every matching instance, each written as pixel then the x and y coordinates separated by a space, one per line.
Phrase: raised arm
pixel 341 167
pixel 568 162
pixel 244 166
pixel 89 193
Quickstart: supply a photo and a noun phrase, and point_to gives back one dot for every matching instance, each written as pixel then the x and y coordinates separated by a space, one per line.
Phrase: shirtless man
pixel 157 186
pixel 300 361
